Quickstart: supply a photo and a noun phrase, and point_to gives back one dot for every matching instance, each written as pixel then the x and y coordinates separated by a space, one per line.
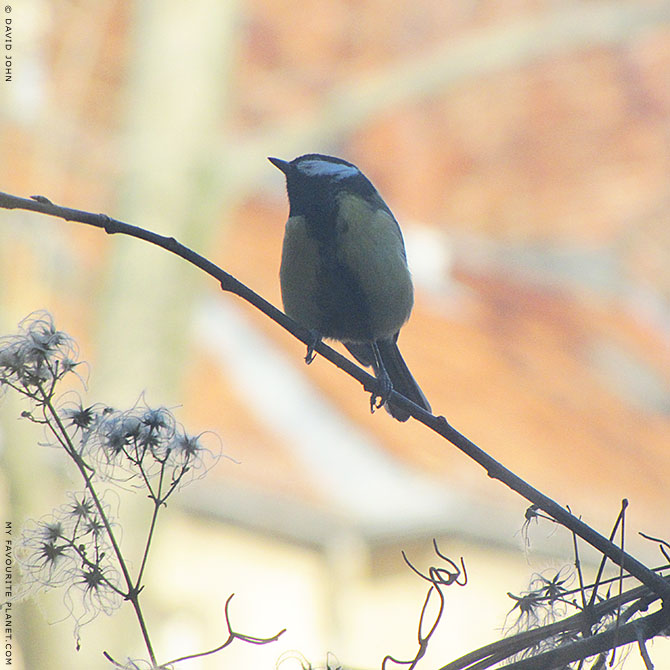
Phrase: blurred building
pixel 524 149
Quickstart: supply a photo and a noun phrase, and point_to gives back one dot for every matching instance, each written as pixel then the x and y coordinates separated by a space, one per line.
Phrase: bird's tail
pixel 397 370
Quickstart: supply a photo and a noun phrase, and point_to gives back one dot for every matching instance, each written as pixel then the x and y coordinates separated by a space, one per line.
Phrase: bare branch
pixel 655 585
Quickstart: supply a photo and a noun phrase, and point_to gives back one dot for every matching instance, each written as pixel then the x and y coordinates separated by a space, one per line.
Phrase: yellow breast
pixel 370 245
pixel 351 280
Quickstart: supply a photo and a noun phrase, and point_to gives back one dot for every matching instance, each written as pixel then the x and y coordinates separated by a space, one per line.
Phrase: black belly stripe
pixel 344 307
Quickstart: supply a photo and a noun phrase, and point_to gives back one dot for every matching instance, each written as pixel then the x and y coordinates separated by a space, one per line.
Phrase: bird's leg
pixel 314 338
pixel 381 395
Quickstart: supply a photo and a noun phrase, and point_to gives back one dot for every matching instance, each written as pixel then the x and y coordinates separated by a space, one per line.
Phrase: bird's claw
pixel 380 394
pixel 315 338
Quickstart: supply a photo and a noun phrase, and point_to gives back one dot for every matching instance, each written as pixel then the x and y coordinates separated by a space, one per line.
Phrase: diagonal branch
pixel 439 424
pixel 228 283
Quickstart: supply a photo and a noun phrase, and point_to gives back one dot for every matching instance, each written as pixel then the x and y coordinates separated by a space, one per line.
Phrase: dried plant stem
pixel 133 591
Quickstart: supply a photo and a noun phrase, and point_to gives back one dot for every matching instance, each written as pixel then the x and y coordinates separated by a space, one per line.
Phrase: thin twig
pixel 232 636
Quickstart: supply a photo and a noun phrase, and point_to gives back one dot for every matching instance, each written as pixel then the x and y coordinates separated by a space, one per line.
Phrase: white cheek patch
pixel 319 168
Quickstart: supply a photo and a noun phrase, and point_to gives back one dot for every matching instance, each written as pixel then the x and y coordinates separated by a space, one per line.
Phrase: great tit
pixel 344 272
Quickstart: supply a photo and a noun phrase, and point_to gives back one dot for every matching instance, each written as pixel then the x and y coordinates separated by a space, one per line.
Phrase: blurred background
pixel 525 150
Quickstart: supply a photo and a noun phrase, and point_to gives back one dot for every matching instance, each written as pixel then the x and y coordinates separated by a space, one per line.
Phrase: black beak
pixel 284 166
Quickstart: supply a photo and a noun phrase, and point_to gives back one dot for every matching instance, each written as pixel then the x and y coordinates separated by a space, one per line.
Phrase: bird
pixel 344 273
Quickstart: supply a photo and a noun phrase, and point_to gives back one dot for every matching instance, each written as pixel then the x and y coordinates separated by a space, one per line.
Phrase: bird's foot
pixel 314 338
pixel 380 394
